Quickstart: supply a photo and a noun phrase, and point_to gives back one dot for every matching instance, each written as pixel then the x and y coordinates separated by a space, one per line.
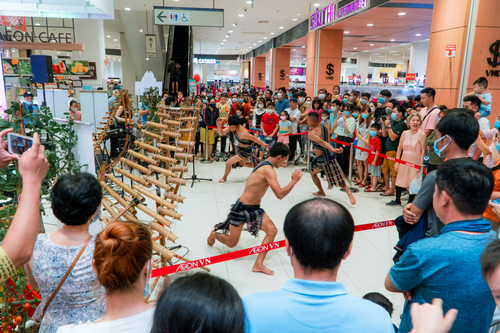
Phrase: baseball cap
pixel 293 99
pixel 27 94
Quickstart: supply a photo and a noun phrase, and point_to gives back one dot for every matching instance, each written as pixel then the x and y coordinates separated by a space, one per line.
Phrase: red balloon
pixel 197 77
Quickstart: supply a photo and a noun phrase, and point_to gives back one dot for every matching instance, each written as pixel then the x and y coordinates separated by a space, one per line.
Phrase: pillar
pixel 91 34
pixel 129 71
pixel 362 66
pixel 270 69
pixel 259 71
pixel 281 68
pixel 324 59
pixel 418 58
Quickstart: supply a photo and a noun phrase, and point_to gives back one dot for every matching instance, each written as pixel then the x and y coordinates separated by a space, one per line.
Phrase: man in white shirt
pixel 294 113
pixel 430 113
pixel 473 103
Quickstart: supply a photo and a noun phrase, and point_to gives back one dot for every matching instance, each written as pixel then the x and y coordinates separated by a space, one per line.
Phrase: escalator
pixel 180 49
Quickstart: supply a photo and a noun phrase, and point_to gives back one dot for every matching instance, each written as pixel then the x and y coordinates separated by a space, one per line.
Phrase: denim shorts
pixel 270 141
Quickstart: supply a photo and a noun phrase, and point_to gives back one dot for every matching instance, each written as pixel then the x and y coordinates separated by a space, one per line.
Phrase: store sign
pixel 21 36
pixel 330 14
pixel 297 71
pixel 410 76
pixel 92 72
pixel 351 9
pixel 383 74
pixel 196 17
pixel 494 60
pixel 150 46
pixel 204 61
pixel 226 72
pixel 401 74
pixel 322 17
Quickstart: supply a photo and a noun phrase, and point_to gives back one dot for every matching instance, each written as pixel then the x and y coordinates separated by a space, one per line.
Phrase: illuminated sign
pixel 331 14
pixel 204 61
pixel 44 37
pixel 322 17
pixel 351 9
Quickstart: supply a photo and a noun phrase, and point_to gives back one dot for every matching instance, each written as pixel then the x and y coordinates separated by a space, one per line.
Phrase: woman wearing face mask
pixel 326 107
pixel 372 107
pixel 75 203
pixel 123 263
pixel 73 111
pixel 363 131
pixel 258 112
pixel 336 107
pixel 180 99
pixel 345 125
pixel 412 145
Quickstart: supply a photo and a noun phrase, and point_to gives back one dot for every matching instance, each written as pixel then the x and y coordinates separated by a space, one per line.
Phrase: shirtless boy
pixel 319 136
pixel 244 148
pixel 247 207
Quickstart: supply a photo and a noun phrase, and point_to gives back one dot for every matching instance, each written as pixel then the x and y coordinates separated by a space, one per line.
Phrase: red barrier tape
pixel 247 252
pixel 304 133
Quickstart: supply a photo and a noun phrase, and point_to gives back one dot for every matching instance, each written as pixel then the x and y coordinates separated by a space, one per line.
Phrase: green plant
pixel 152 98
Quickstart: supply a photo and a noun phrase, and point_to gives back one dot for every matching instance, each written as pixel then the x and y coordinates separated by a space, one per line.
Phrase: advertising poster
pixel 297 71
pixel 68 67
pixel 15 22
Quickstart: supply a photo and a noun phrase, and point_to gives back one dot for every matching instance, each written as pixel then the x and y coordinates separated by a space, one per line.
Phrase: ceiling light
pixel 281 27
pixel 355 48
pixel 115 40
pixel 294 49
pixel 402 14
pixel 227 35
pixel 114 58
pixel 108 36
pixel 140 30
pixel 221 43
pixel 126 8
pixel 260 41
pixel 234 24
pixel 241 15
pixel 272 33
pixel 372 44
pixel 418 35
pixel 303 47
pixel 230 31
pixel 265 37
pixel 147 58
pixel 393 40
pixel 58 52
pixel 346 32
pixel 370 24
pixel 223 40
pixel 37 23
pixel 67 54
pixel 294 19
pixel 254 44
pixel 316 5
pixel 298 14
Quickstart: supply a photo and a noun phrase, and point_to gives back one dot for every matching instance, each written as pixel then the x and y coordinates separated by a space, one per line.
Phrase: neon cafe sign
pixel 330 13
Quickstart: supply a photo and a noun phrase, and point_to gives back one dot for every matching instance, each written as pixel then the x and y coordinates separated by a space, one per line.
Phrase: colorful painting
pixel 15 22
pixel 22 66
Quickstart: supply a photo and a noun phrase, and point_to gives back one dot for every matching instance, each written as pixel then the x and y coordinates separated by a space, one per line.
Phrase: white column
pixel 91 34
pixel 204 73
pixel 129 76
pixel 362 66
pixel 418 58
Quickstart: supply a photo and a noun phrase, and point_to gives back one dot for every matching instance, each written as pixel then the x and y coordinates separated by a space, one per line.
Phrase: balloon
pixel 197 77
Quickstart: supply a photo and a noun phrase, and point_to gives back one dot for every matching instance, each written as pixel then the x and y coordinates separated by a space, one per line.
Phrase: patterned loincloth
pixel 332 170
pixel 245 153
pixel 240 213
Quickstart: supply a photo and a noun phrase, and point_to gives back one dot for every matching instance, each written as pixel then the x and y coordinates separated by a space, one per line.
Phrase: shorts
pixel 375 171
pixel 240 214
pixel 284 139
pixel 332 170
pixel 245 153
pixel 174 77
pixel 389 165
pixel 211 136
pixel 270 141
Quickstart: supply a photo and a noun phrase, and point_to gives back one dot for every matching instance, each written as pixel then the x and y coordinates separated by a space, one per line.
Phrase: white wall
pixel 198 69
pixel 114 69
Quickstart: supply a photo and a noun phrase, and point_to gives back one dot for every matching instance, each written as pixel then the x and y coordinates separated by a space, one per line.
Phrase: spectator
pixel 433 267
pixel 283 102
pixel 295 115
pixel 374 162
pixel 345 125
pixel 383 108
pixel 122 262
pixel 258 112
pixel 430 112
pixel 484 94
pixel 269 126
pixel 490 262
pixel 302 101
pixel 363 131
pixel 73 111
pixel 75 203
pixel 336 93
pixel 113 98
pixel 321 95
pixel 337 107
pixel 240 101
pixel 434 160
pixel 33 167
pixel 355 98
pixel 473 103
pixel 174 71
pixel 210 116
pixel 144 109
pixel 199 303
pixel 365 98
pixel 454 135
pixel 383 301
pixel 490 152
pixel 301 305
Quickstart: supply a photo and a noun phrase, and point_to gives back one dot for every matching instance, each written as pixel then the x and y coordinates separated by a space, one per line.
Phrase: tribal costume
pixel 246 152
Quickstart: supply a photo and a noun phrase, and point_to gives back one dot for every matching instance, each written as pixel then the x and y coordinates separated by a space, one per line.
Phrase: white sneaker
pixel 301 161
pixel 405 197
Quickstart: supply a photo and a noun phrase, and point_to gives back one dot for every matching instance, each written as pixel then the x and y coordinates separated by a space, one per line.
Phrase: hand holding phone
pixel 5 156
pixel 18 144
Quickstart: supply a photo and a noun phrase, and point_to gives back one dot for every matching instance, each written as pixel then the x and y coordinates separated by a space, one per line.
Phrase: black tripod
pixel 194 177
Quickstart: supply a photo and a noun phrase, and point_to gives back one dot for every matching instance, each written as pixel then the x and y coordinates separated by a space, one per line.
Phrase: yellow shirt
pixel 223 111
pixel 7 269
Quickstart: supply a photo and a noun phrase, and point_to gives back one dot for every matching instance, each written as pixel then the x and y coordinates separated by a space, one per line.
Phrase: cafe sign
pixel 44 37
pixel 331 13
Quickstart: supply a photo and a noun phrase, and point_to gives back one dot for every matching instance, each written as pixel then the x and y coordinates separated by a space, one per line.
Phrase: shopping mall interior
pixel 133 92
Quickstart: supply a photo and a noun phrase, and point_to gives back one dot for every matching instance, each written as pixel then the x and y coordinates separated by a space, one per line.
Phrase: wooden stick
pixel 158 183
pixel 170 148
pixel 171 134
pixel 126 188
pixel 117 197
pixel 160 126
pixel 156 136
pixel 177 181
pixel 163 171
pixel 124 210
pixel 169 254
pixel 180 168
pixel 127 216
pixel 143 157
pixel 166 159
pixel 174 197
pixel 164 232
pixel 163 115
pixel 136 179
pixel 148 147
pixel 168 212
pixel 185 144
pixel 108 208
pixel 153 196
pixel 183 156
pixel 153 214
pixel 136 166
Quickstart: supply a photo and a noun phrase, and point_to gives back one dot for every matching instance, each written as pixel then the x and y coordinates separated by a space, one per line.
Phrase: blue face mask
pixel 439 151
pixel 290 95
pixel 373 133
pixel 28 103
pixel 347 113
pixel 363 101
pixel 97 218
pixel 147 290
pixel 238 113
pixel 365 115
pixel 355 115
pixel 394 116
pixel 345 101
pixel 497 124
pixel 240 100
pixel 498 147
pixel 205 101
pixel 381 100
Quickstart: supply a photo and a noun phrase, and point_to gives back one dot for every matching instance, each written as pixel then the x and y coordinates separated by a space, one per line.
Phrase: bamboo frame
pixel 158 183
pixel 142 157
pixel 166 159
pixel 152 149
pixel 117 197
pixel 166 172
pixel 126 188
pixel 136 166
pixel 136 179
pixel 154 197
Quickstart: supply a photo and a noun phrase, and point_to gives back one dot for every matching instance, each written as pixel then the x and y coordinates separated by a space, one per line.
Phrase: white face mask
pixel 324 118
pixel 270 111
pixel 74 109
pixel 261 106
pixel 280 95
pixel 301 99
pixel 234 100
pixel 283 118
pixel 334 109
pixel 308 102
pixel 322 96
pixel 372 108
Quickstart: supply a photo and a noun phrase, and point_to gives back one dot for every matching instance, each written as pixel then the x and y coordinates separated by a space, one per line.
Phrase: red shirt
pixel 375 146
pixel 269 122
pixel 246 110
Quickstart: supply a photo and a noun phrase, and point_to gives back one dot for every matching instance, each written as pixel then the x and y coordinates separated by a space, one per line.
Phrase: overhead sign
pixel 297 71
pixel 196 17
pixel 204 61
pixel 450 50
pixel 225 72
pixel 150 46
pixel 332 13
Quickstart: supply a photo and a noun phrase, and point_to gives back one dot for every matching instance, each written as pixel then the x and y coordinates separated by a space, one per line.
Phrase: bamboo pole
pixel 154 197
pixel 164 211
pixel 164 232
pixel 108 208
pixel 158 183
pixel 166 253
pixel 160 126
pixel 171 134
pixel 177 181
pixel 153 214
pixel 142 157
pixel 136 179
pixel 185 144
pixel 126 188
pixel 180 168
pixel 136 166
pixel 166 172
pixel 184 156
pixel 148 147
pixel 117 197
pixel 170 148
pixel 166 159
pixel 127 216
pixel 156 136
pixel 174 197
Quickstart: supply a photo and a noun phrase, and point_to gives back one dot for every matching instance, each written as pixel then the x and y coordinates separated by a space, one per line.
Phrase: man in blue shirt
pixel 144 110
pixel 447 266
pixel 319 234
pixel 29 108
pixel 282 102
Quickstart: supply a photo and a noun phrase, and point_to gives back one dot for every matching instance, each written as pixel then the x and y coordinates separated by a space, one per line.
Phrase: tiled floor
pixel 208 203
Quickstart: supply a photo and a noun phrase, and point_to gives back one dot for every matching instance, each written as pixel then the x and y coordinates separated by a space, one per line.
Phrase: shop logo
pixel 260 76
pixel 282 74
pixel 329 69
pixel 495 50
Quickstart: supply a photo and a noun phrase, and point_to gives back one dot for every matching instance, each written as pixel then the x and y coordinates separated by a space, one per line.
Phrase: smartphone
pixel 18 144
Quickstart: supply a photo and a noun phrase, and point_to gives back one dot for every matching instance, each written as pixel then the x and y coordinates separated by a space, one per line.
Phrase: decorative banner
pixel 297 71
pixel 16 22
pixel 68 67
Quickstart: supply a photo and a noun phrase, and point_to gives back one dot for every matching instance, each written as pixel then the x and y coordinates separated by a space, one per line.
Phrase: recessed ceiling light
pixel 346 32
pixel 260 41
pixel 316 5
pixel 294 50
pixel 147 58
pixel 140 30
pixel 418 35
pixel 241 15
pixel 298 14
pixel 370 24
pixel 272 33
pixel 108 36
pixel 281 27
pixel 234 24
pixel 372 44
pixel 265 37
pixel 58 52
pixel 115 40
pixel 294 19
pixel 223 40
pixel 393 40
pixel 355 48
pixel 402 14
pixel 230 31
pixel 221 43
pixel 37 23
pixel 254 44
pixel 126 8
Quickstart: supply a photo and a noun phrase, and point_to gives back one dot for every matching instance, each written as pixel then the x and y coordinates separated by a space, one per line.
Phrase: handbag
pixel 35 328
pixel 415 185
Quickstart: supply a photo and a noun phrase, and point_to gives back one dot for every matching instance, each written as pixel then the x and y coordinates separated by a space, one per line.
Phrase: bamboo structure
pixel 165 151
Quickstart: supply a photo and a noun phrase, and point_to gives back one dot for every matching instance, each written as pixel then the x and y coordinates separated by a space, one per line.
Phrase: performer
pixel 323 162
pixel 247 207
pixel 244 149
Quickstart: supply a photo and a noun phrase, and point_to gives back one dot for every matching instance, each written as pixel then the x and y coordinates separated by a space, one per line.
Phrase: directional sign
pixel 196 17
pixel 150 46
pixel 451 50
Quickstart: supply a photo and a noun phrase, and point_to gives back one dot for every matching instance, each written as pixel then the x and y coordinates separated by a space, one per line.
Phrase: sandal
pixel 361 185
pixel 387 194
pixel 370 190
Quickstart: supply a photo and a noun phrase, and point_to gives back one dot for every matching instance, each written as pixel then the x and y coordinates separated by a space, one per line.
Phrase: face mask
pixel 334 109
pixel 270 111
pixel 280 95
pixel 147 289
pixel 261 106
pixel 74 109
pixel 363 102
pixel 347 113
pixel 308 102
pixel 345 101
pixel 28 103
pixel 355 115
pixel 97 218
pixel 283 118
pixel 234 100
pixel 497 124
pixel 372 108
pixel 365 115
pixel 240 100
pixel 213 105
pixel 205 101
pixel 381 100
pixel 394 116
pixel 290 95
pixel 439 151
pixel 498 147
pixel 322 96
pixel 238 113
pixel 373 133
pixel 388 110
pixel 324 118
pixel 301 99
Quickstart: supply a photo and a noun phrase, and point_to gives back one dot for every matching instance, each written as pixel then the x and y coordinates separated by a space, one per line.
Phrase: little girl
pixel 285 128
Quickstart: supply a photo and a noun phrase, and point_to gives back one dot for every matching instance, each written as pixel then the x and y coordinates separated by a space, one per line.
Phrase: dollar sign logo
pixel 329 69
pixel 260 76
pixel 282 73
pixel 495 50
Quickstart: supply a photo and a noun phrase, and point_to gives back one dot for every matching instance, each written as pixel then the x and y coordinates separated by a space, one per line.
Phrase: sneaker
pixel 405 197
pixel 394 203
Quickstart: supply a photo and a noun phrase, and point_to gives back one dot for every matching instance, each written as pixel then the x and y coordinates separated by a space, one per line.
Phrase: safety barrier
pixel 247 252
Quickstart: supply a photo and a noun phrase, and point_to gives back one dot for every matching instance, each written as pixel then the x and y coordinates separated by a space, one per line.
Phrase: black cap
pixel 293 99
pixel 27 94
